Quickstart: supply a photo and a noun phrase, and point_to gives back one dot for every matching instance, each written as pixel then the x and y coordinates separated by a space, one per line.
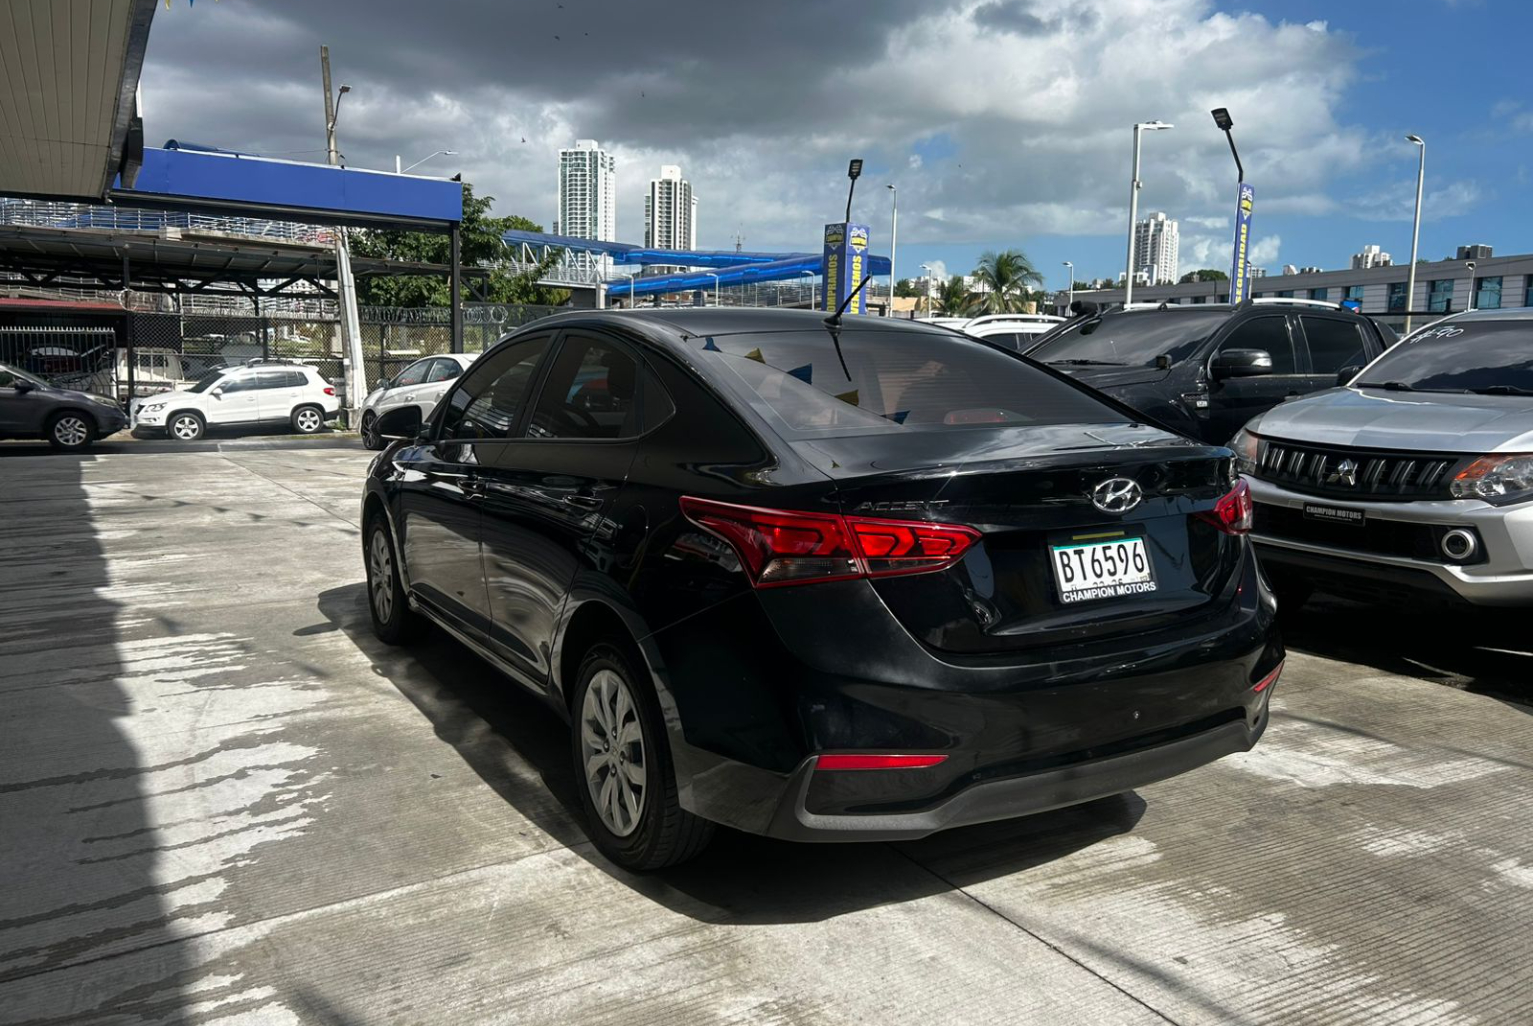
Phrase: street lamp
pixel 1133 203
pixel 894 241
pixel 1469 303
pixel 931 281
pixel 811 287
pixel 633 300
pixel 854 172
pixel 1070 300
pixel 715 286
pixel 1410 286
pixel 418 163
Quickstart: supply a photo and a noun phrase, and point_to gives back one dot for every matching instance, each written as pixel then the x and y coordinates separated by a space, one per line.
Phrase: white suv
pixel 420 385
pixel 1014 331
pixel 261 393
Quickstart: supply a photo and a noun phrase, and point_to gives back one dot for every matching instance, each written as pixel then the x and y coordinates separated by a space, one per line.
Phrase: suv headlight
pixel 151 408
pixel 1496 479
pixel 1247 448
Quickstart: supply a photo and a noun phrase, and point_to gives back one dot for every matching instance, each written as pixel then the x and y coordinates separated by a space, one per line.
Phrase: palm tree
pixel 1004 279
pixel 953 297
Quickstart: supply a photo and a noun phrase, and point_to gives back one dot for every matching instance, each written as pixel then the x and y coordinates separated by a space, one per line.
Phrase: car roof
pixel 697 322
pixel 1515 313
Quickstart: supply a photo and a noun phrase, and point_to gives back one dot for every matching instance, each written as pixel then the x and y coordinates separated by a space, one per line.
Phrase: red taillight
pixel 876 762
pixel 778 547
pixel 1269 680
pixel 1233 513
pixel 329 390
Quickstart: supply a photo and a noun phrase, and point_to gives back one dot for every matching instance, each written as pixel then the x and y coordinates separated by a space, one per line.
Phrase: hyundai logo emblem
pixel 1117 495
pixel 1345 473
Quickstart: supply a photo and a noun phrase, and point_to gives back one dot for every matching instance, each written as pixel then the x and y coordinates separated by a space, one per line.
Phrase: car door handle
pixel 582 501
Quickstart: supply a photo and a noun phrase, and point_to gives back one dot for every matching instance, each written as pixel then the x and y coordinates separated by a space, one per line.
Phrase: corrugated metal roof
pixel 68 72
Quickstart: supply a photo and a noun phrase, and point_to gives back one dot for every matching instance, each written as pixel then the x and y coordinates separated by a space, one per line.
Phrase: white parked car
pixel 1014 331
pixel 419 385
pixel 262 392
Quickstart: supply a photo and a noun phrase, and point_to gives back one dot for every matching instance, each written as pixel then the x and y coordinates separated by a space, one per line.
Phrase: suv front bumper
pixel 1503 577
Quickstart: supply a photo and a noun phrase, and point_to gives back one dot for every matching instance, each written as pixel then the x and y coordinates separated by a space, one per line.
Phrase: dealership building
pixel 1442 286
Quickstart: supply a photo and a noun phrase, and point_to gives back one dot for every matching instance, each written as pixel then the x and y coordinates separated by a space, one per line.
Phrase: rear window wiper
pixel 1083 363
pixel 1502 390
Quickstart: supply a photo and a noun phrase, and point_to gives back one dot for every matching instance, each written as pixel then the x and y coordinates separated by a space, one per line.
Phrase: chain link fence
pixel 142 343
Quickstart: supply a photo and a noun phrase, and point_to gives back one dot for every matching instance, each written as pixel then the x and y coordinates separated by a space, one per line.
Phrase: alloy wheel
pixel 186 428
pixel 612 752
pixel 369 430
pixel 71 431
pixel 381 570
pixel 308 421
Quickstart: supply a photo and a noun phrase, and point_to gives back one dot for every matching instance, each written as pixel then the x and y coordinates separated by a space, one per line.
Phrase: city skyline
pixel 670 211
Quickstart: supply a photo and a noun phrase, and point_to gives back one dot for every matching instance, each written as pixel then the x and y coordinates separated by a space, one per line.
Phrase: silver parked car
pixel 1416 478
pixel 419 385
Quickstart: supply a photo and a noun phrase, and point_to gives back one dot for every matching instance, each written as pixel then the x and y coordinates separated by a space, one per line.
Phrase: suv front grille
pixel 1356 473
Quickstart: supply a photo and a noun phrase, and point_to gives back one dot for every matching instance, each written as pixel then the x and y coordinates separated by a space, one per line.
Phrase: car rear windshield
pixel 1132 339
pixel 1459 356
pixel 894 381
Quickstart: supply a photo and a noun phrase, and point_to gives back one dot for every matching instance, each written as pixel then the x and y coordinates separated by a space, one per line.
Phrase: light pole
pixel 633 300
pixel 1469 302
pixel 931 281
pixel 894 242
pixel 715 286
pixel 418 163
pixel 811 287
pixel 1070 295
pixel 1133 203
pixel 1410 280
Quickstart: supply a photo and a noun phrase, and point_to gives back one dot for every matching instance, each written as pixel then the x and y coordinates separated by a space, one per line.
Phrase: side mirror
pixel 381 383
pixel 1240 363
pixel 1346 374
pixel 22 386
pixel 217 392
pixel 403 423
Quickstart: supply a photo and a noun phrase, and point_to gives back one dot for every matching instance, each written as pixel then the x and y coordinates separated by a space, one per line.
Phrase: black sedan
pixel 824 581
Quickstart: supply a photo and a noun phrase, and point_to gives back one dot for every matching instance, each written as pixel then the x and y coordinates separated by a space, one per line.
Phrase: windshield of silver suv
pixel 1484 357
pixel 1132 339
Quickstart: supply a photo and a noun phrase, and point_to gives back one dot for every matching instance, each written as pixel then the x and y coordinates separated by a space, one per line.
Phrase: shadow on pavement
pixel 83 884
pixel 1486 651
pixel 216 439
pixel 739 878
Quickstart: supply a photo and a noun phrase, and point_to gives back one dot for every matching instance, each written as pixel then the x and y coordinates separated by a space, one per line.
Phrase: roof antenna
pixel 833 322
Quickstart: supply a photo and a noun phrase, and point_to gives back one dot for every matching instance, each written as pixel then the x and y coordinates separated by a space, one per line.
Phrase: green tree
pixel 481 250
pixel 1206 274
pixel 1006 279
pixel 953 297
pixel 907 287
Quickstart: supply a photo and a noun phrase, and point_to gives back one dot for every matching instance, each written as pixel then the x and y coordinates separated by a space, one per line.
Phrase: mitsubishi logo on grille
pixel 1117 495
pixel 1344 474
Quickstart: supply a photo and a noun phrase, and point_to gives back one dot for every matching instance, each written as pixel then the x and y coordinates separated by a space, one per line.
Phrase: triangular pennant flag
pixel 709 347
pixel 755 354
pixel 804 373
pixel 850 397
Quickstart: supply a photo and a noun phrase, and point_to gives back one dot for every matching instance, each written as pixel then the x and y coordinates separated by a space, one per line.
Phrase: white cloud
pixel 1265 250
pixel 915 162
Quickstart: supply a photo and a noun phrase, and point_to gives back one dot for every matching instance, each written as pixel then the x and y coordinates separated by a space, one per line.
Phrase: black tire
pixel 185 426
pixel 308 420
pixel 393 621
pixel 663 833
pixel 370 437
pixel 71 430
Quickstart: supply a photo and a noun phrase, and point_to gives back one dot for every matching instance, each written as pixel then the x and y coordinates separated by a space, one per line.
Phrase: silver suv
pixel 1415 477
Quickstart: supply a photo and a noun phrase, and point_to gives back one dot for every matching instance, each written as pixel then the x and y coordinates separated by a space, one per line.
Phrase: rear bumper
pixel 1013 796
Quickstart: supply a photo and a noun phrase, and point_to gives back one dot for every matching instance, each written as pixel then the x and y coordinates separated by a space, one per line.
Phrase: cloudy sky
pixel 1004 123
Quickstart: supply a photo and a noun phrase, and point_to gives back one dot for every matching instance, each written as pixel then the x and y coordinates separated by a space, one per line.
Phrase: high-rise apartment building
pixel 1371 256
pixel 670 211
pixel 1157 248
pixel 588 194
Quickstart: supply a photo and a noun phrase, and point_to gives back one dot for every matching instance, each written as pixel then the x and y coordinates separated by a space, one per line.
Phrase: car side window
pixel 414 374
pixel 1333 343
pixel 443 370
pixel 1268 333
pixel 591 392
pixel 297 379
pixel 492 395
pixel 270 379
pixel 237 383
pixel 7 379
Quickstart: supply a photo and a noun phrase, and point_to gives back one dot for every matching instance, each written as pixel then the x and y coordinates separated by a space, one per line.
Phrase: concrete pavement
pixel 222 802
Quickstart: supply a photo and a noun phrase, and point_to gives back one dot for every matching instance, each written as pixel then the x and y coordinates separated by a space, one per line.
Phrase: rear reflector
pixel 1269 680
pixel 877 762
pixel 1233 513
pixel 778 547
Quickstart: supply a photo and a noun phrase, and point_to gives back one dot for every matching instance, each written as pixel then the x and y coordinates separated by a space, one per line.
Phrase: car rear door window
pixel 1333 343
pixel 1266 333
pixel 490 398
pixel 268 379
pixel 591 392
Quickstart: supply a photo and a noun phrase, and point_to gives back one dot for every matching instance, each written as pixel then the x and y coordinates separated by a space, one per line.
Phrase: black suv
pixel 1206 370
pixel 32 408
pixel 855 581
